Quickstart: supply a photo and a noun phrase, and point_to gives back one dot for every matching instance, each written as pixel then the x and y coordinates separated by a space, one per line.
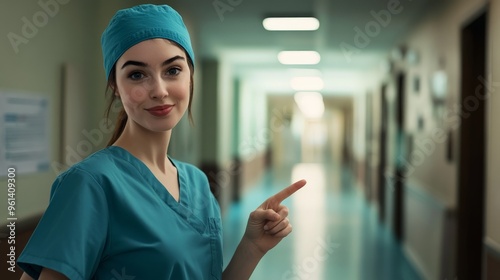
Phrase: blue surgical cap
pixel 131 26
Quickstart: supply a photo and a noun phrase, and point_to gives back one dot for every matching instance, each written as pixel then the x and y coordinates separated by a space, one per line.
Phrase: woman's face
pixel 153 82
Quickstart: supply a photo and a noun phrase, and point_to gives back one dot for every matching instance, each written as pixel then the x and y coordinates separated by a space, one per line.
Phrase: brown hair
pixel 122 118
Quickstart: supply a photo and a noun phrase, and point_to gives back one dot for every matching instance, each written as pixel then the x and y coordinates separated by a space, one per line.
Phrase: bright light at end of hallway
pixel 310 104
pixel 291 23
pixel 307 83
pixel 314 174
pixel 299 57
pixel 309 219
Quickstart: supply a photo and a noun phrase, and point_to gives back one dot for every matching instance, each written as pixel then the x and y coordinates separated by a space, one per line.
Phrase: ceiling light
pixel 307 83
pixel 291 23
pixel 310 104
pixel 299 57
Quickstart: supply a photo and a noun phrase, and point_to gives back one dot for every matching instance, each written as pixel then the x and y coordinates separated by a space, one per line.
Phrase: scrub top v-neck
pixel 109 217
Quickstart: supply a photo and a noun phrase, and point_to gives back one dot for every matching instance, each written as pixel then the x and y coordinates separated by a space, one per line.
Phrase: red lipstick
pixel 160 111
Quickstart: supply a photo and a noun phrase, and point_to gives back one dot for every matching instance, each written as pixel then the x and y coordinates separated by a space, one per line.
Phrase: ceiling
pixel 234 34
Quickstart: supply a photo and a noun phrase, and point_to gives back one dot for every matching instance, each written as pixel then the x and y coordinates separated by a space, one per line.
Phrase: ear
pixel 115 92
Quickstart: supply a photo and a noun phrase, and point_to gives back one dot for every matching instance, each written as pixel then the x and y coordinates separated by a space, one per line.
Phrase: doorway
pixel 382 153
pixel 471 174
pixel 399 182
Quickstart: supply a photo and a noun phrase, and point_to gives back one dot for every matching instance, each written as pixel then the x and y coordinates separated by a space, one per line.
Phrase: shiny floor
pixel 336 234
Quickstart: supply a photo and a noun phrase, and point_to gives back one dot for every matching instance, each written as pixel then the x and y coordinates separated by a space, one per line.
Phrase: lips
pixel 160 111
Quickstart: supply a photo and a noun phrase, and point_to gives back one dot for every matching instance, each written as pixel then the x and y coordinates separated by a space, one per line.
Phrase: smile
pixel 160 111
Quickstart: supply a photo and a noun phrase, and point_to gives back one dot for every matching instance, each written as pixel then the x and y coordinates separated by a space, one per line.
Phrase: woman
pixel 129 211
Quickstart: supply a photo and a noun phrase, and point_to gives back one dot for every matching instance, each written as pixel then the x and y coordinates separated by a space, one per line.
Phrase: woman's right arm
pixel 77 211
pixel 47 274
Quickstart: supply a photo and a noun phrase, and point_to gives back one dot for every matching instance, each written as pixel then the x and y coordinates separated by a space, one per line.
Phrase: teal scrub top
pixel 110 218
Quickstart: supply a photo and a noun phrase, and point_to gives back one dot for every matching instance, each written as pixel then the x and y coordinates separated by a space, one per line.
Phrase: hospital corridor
pixel 387 108
pixel 336 233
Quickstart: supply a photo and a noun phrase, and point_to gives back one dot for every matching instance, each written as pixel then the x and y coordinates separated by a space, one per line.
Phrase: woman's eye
pixel 173 71
pixel 136 76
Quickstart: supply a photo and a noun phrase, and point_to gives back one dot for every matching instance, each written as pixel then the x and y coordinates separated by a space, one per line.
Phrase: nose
pixel 158 90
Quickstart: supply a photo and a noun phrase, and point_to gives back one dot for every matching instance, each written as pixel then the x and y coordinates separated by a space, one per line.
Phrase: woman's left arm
pixel 266 227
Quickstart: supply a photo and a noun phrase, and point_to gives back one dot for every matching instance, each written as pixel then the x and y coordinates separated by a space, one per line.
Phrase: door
pixel 382 152
pixel 471 174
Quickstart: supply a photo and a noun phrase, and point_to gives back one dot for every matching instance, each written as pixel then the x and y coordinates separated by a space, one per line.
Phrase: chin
pixel 163 127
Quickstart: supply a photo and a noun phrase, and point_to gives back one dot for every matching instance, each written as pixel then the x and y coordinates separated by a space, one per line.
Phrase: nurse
pixel 129 211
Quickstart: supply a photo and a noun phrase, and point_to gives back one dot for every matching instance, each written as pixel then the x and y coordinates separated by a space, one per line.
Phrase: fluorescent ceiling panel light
pixel 310 104
pixel 291 23
pixel 307 83
pixel 299 57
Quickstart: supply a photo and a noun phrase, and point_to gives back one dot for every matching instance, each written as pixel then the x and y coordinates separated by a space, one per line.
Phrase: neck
pixel 150 147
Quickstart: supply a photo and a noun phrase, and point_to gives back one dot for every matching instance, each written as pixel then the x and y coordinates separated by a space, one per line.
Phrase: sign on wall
pixel 24 133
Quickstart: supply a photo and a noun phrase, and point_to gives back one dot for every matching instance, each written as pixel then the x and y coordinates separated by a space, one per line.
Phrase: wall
pixel 431 192
pixel 254 131
pixel 284 144
pixel 359 144
pixel 391 152
pixel 492 209
pixel 65 38
pixel 437 40
pixel 253 126
pixel 361 153
pixel 225 102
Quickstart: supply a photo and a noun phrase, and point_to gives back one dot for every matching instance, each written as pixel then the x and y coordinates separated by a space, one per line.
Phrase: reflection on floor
pixel 336 234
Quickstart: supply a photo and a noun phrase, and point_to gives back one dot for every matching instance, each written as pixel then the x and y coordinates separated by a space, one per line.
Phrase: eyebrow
pixel 142 64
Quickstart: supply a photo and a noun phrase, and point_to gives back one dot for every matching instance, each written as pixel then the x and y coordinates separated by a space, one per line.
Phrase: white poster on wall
pixel 24 132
